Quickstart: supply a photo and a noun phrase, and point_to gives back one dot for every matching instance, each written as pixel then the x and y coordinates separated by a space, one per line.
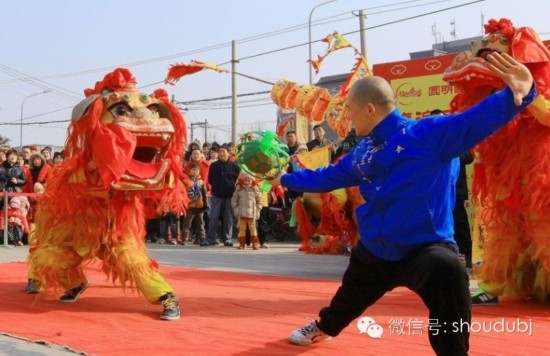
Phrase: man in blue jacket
pixel 406 171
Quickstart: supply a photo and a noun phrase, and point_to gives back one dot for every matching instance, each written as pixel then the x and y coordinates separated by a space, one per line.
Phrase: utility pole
pixel 437 35
pixel 362 34
pixel 482 25
pixel 310 67
pixel 205 130
pixel 233 92
pixel 200 124
pixel 453 31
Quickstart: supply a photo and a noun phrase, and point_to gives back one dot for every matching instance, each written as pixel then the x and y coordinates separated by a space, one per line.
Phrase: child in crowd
pixel 38 188
pixel 168 228
pixel 247 205
pixel 264 214
pixel 17 222
pixel 294 165
pixel 152 221
pixel 196 192
pixel 25 207
pixel 58 158
pixel 30 206
pixel 168 225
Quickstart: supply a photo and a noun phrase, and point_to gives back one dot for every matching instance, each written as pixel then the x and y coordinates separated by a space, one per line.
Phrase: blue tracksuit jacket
pixel 406 171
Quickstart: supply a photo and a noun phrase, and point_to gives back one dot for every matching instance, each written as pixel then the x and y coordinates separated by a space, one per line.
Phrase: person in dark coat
pixel 222 177
pixel 15 177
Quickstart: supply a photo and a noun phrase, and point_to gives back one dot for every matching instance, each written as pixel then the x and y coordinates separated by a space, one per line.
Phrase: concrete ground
pixel 282 259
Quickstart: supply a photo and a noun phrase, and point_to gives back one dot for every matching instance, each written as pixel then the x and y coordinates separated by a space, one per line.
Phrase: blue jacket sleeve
pixel 451 135
pixel 324 179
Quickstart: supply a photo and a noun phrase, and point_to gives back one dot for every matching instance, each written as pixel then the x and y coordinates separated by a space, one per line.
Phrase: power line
pixel 368 28
pixel 227 44
pixel 225 102
pixel 38 83
pixel 136 63
pixel 352 32
pixel 318 22
pixel 18 122
pixel 229 107
pixel 28 79
pixel 33 123
pixel 221 97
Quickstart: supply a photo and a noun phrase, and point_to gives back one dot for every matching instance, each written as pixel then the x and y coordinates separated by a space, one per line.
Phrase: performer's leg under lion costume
pixel 512 172
pixel 123 146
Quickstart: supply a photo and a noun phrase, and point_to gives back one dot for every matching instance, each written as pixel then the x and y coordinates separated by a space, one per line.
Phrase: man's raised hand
pixel 515 74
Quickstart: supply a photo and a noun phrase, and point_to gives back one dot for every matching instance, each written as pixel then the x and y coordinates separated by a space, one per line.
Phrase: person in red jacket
pixel 17 222
pixel 37 164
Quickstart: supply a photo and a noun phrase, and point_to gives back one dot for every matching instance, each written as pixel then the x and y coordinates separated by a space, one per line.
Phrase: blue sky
pixel 69 45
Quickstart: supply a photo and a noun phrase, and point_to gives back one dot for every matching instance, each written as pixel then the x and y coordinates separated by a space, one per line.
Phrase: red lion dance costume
pixel 512 172
pixel 123 147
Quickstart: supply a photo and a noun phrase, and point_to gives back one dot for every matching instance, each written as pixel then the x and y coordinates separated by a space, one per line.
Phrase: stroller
pixel 275 220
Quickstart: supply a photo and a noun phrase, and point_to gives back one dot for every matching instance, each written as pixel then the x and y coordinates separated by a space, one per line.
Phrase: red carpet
pixel 239 314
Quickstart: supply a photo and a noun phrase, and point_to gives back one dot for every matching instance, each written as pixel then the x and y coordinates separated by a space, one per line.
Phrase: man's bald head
pixel 375 90
pixel 370 100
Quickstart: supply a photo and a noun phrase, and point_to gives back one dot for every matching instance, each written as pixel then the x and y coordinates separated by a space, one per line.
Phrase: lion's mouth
pixel 483 52
pixel 468 70
pixel 149 154
pixel 148 166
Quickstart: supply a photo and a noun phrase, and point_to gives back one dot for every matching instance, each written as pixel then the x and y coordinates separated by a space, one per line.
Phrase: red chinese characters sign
pixel 418 85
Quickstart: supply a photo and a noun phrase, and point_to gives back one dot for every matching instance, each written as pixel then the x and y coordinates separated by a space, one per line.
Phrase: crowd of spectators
pixel 23 174
pixel 210 177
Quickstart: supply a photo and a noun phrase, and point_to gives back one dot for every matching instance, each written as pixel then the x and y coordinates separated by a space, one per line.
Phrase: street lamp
pixel 309 134
pixel 309 42
pixel 48 90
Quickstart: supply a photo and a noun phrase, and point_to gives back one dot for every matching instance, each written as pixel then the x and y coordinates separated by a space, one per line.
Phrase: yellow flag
pixel 360 70
pixel 317 158
pixel 335 42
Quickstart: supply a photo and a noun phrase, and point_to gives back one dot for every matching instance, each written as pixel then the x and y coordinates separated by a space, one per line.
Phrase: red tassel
pixel 333 220
pixel 514 200
pixel 479 183
pixel 305 228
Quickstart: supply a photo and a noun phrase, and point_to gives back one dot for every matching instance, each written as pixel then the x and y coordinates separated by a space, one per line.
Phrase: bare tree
pixel 257 126
pixel 4 141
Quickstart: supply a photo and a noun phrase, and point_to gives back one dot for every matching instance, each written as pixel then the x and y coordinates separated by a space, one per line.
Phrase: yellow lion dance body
pixel 123 147
pixel 512 170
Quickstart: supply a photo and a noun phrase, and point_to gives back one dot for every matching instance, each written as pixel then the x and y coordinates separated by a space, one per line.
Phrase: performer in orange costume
pixel 123 146
pixel 512 172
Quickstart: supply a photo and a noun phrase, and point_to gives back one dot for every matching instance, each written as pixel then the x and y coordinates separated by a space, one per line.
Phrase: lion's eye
pixel 120 109
pixel 154 108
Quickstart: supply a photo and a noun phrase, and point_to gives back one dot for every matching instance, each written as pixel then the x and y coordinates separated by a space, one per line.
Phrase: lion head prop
pixel 475 81
pixel 134 140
